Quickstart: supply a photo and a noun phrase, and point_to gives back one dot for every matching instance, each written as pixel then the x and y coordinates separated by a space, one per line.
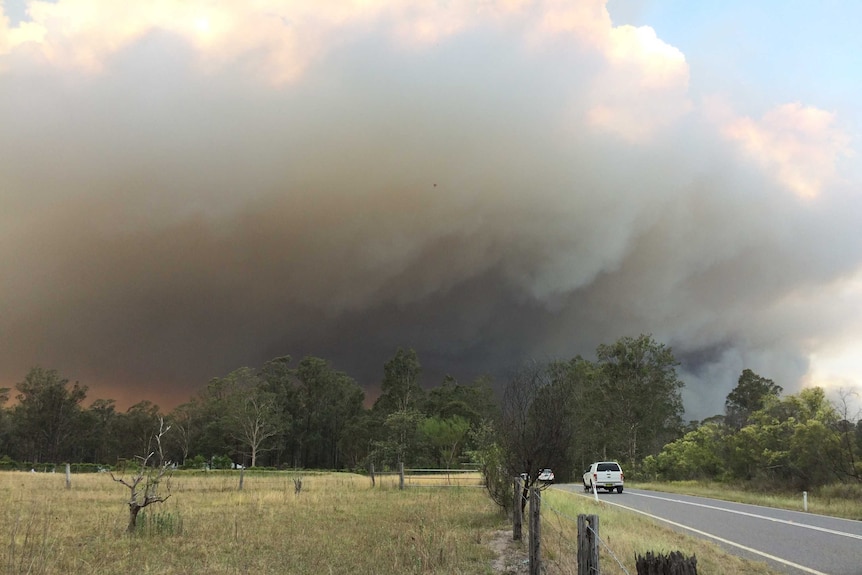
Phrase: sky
pixel 191 186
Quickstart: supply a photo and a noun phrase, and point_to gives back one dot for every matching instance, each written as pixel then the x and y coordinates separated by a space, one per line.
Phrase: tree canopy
pixel 563 414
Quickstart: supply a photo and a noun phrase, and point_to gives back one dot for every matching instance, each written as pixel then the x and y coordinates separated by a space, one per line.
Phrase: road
pixel 790 541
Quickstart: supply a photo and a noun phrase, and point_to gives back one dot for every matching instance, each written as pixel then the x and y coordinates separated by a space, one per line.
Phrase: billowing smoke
pixel 484 184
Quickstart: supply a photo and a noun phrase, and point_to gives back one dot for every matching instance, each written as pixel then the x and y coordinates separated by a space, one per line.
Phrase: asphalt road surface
pixel 790 541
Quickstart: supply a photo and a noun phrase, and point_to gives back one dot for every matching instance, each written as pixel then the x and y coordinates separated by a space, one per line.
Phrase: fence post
pixel 372 475
pixel 517 517
pixel 68 476
pixel 588 544
pixel 241 476
pixel 401 475
pixel 674 563
pixel 535 532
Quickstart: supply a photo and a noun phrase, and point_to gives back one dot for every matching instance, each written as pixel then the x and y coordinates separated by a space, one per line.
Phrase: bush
pixel 221 462
pixel 489 456
pixel 8 464
pixel 196 462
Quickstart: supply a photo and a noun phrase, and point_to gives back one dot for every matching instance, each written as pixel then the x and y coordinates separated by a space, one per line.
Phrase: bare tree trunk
pixel 134 508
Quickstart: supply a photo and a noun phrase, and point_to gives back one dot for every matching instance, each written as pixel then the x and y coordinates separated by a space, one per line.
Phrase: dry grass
pixel 337 524
pixel 434 479
pixel 625 535
pixel 843 500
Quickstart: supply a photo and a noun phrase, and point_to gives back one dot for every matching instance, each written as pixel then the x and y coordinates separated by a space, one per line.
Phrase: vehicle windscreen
pixel 608 467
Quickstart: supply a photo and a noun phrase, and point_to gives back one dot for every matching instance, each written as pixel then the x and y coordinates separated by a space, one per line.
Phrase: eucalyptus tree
pixel 400 389
pixel 185 421
pixel 136 427
pixel 641 394
pixel 252 413
pixel 98 434
pixel 4 419
pixel 46 415
pixel 446 436
pixel 473 401
pixel 749 395
pixel 399 408
pixel 329 401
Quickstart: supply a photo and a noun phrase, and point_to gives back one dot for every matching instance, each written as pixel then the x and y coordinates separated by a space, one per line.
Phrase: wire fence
pixel 404 477
pixel 562 543
pixel 559 525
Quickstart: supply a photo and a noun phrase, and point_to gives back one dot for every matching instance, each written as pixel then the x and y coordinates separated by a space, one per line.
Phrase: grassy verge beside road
pixel 834 500
pixel 625 535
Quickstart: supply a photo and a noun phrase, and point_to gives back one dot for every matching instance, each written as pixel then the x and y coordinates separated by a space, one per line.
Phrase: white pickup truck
pixel 604 475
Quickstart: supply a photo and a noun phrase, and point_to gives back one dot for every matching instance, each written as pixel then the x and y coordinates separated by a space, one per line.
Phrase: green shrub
pixel 160 523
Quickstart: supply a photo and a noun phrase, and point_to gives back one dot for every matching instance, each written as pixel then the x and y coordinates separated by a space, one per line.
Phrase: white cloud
pixel 800 145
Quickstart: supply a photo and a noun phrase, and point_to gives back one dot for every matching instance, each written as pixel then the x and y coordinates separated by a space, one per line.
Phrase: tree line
pixel 801 441
pixel 625 405
pixel 282 414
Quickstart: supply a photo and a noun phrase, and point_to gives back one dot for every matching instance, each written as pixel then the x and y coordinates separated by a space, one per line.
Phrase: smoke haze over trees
pixel 626 406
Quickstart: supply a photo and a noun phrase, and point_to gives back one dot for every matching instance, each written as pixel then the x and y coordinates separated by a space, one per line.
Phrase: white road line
pixel 755 515
pixel 721 539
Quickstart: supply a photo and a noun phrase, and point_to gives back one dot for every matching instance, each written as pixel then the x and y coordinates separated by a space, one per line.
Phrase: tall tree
pixel 642 391
pixel 749 395
pixel 329 400
pixel 214 435
pixel 592 417
pixel 793 440
pixel 137 427
pixel 4 419
pixel 398 407
pixel 535 423
pixel 446 435
pixel 100 433
pixel 474 401
pixel 278 378
pixel 850 462
pixel 186 425
pixel 45 416
pixel 252 412
pixel 400 388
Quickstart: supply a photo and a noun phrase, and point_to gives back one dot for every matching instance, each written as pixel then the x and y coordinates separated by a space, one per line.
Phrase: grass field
pixel 337 524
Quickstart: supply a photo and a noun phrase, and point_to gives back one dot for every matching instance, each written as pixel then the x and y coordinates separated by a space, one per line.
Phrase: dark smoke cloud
pixel 163 226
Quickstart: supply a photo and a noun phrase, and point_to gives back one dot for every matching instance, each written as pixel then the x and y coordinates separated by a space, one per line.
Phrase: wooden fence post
pixel 241 476
pixel 401 475
pixel 588 544
pixel 372 475
pixel 517 517
pixel 673 563
pixel 535 532
pixel 68 476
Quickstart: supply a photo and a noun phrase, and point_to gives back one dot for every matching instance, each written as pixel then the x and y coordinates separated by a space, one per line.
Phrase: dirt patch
pixel 510 556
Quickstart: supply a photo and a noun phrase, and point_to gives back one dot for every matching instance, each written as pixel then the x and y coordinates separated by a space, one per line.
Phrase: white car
pixel 546 476
pixel 604 475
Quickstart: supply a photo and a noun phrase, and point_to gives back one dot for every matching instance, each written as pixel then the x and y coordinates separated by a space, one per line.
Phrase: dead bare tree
pixel 151 476
pixel 535 424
